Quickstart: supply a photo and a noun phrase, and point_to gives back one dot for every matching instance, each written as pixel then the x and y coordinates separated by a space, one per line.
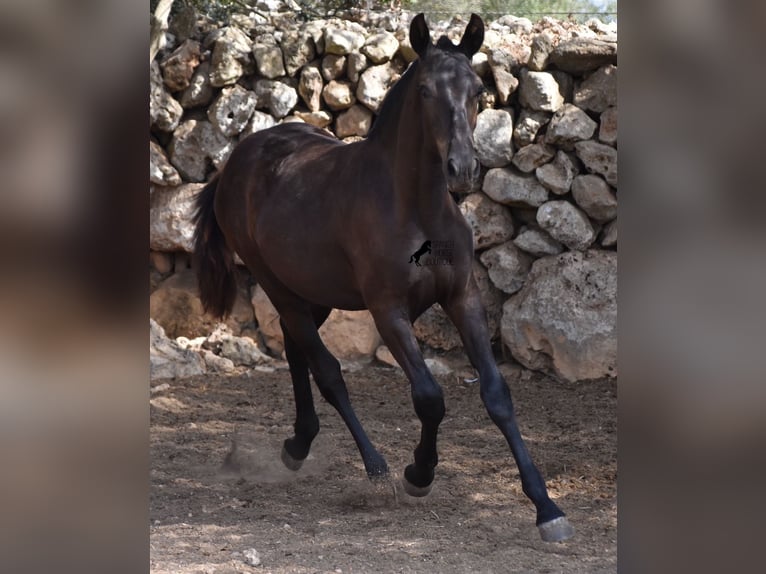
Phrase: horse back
pixel 278 147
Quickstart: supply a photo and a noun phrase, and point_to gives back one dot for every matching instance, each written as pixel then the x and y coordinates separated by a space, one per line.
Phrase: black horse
pixel 425 248
pixel 323 225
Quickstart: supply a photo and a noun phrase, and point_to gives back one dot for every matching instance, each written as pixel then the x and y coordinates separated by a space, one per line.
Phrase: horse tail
pixel 213 259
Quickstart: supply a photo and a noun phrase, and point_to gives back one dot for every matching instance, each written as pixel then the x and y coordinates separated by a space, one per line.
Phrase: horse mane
pixel 394 100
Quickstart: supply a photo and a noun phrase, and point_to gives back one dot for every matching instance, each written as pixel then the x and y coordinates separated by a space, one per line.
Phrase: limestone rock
pixel 607 132
pixel 170 217
pixel 532 156
pixel 569 125
pixel 164 111
pixel 355 121
pixel 216 364
pixel 268 321
pixel 566 84
pixel 595 197
pixel 380 47
pixel 506 186
pixel 342 42
pixel 567 224
pixel 487 99
pixel 350 335
pixel 492 137
pixel 268 61
pixel 602 28
pixel 232 110
pixel 609 235
pixel 433 328
pixel 491 297
pixel 356 63
pixel 537 242
pixel 599 158
pixel 338 95
pixel 200 92
pixel 480 64
pixel 580 55
pixel 176 305
pixel 310 87
pixel 177 69
pixel 507 265
pixel 501 63
pixel 528 125
pixel 277 97
pixel 374 83
pixel 598 91
pixel 231 57
pixel 315 29
pixel 333 66
pixel 242 351
pixel 405 48
pixel 438 367
pixel 540 48
pixel 163 262
pixel 491 222
pixel 160 170
pixel 298 50
pixel 320 119
pixel 258 121
pixel 167 360
pixel 540 91
pixel 193 143
pixel 384 355
pixel 564 320
pixel 557 175
pixel 506 83
pixel 516 25
pixel 509 56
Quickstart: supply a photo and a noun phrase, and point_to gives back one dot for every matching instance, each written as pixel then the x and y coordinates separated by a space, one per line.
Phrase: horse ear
pixel 473 36
pixel 420 37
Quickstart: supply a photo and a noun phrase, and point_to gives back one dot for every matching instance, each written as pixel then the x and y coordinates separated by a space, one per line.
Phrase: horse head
pixel 449 92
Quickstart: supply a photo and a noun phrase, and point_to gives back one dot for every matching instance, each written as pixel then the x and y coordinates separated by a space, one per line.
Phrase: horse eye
pixel 425 92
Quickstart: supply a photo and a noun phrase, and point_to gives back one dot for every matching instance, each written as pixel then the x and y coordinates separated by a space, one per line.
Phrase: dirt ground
pixel 328 518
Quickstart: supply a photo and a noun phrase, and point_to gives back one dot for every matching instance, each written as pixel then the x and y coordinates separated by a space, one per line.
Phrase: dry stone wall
pixel 544 215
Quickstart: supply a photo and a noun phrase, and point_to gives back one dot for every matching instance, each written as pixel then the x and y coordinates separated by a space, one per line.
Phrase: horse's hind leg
pixel 302 330
pixel 296 449
pixel 427 396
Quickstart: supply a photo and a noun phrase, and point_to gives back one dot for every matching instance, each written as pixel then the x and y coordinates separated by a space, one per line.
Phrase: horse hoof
pixel 556 530
pixel 289 461
pixel 415 491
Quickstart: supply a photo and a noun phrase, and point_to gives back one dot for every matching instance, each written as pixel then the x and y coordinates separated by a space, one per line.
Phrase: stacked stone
pixel 544 215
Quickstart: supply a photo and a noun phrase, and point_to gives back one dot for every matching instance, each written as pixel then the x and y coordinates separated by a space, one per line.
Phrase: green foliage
pixel 532 9
pixel 217 9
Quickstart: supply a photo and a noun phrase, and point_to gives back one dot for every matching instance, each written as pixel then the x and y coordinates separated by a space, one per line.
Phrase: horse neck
pixel 420 186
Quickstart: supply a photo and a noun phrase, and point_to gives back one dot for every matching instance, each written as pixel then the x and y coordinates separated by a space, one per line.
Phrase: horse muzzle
pixel 462 175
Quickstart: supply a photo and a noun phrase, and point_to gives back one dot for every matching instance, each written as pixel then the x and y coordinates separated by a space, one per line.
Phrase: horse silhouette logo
pixel 425 248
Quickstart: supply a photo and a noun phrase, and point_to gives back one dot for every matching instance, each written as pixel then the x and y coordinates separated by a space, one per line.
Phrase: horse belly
pixel 317 271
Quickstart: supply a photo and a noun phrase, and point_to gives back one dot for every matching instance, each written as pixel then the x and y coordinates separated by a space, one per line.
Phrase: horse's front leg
pixel 467 313
pixel 396 329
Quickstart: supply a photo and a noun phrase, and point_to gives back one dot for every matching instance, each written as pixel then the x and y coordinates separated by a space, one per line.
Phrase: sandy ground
pixel 328 518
